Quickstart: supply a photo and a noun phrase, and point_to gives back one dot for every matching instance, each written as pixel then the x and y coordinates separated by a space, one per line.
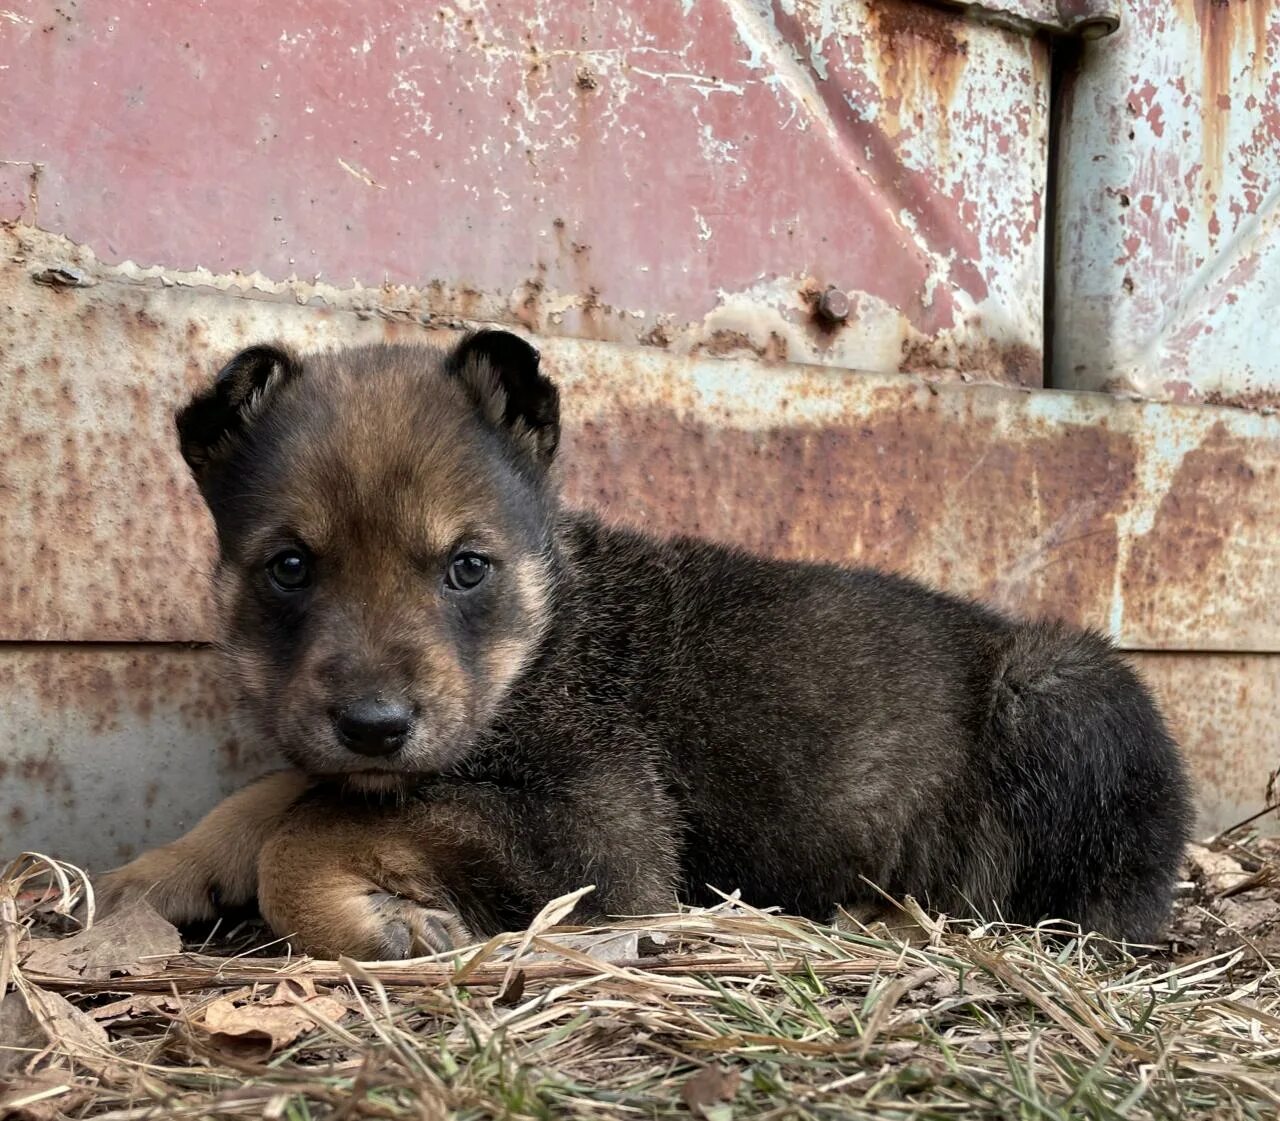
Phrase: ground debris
pixel 1233 901
pixel 254 1029
pixel 132 942
pixel 707 1091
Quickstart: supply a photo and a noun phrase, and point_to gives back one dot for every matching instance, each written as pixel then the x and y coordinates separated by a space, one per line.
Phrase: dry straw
pixel 722 1013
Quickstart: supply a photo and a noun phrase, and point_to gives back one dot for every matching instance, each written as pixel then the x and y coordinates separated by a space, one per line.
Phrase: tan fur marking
pixel 505 659
pixel 220 854
pixel 363 889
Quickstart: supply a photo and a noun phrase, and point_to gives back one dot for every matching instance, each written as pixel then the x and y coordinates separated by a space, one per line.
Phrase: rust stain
pixel 1230 31
pixel 990 361
pixel 117 687
pixel 824 326
pixel 1259 399
pixel 658 335
pixel 918 56
pixel 725 343
pixel 1224 710
pixel 1220 490
pixel 1028 525
pixel 95 734
pixel 922 59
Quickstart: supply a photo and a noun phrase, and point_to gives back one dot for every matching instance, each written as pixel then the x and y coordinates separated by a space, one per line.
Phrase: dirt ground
pixel 1231 898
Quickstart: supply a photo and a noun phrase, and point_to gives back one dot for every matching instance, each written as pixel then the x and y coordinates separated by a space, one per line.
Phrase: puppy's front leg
pixel 341 879
pixel 454 862
pixel 213 866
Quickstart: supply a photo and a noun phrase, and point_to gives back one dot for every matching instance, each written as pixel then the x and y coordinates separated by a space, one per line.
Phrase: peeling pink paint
pixel 624 172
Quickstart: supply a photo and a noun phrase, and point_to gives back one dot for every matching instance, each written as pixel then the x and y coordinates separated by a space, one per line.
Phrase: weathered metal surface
pixel 107 749
pixel 19 186
pixel 688 174
pixel 775 183
pixel 1225 711
pixel 1169 204
pixel 1155 523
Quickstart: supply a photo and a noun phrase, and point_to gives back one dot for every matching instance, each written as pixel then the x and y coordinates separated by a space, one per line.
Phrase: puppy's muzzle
pixel 372 726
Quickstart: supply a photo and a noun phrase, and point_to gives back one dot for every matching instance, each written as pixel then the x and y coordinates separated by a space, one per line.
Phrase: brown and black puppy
pixel 495 701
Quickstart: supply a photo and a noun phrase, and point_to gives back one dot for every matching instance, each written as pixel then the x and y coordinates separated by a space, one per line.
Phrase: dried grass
pixel 720 1013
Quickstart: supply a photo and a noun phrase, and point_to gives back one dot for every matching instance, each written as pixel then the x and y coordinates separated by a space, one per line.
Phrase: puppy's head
pixel 385 527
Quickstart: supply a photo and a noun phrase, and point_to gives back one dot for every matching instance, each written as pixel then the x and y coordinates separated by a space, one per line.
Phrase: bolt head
pixel 833 305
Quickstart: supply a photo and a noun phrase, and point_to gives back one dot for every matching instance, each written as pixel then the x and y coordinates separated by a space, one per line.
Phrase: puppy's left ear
pixel 500 372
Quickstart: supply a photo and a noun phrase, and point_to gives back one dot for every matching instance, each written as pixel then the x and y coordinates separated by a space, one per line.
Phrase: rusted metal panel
pixel 108 749
pixel 1152 522
pixel 1225 711
pixel 19 186
pixel 1169 173
pixel 687 174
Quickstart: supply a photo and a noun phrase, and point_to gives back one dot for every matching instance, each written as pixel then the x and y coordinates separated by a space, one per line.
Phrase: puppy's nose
pixel 374 727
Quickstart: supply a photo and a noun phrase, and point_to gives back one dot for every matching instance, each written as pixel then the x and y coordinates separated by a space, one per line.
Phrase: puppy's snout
pixel 374 727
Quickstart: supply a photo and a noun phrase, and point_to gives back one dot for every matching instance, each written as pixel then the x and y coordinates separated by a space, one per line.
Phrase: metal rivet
pixel 833 306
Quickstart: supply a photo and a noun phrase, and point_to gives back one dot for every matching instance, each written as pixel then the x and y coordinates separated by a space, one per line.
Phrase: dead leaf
pixel 1248 917
pixel 1216 870
pixel 616 945
pixel 34 1021
pixel 257 1030
pixel 652 944
pixel 707 1091
pixel 20 1034
pixel 136 1006
pixel 127 943
pixel 71 1031
pixel 513 992
pixel 42 1096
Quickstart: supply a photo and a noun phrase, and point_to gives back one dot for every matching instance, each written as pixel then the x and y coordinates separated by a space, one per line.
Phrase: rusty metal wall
pixel 1169 192
pixel 1225 709
pixel 690 175
pixel 1152 523
pixel 663 194
pixel 107 747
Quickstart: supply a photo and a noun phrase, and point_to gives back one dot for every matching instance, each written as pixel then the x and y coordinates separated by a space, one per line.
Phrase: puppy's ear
pixel 500 372
pixel 216 418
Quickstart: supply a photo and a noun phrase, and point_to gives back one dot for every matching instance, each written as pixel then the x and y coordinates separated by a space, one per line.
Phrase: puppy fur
pixel 653 717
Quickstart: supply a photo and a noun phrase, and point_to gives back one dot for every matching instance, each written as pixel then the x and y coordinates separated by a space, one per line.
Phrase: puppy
pixel 489 700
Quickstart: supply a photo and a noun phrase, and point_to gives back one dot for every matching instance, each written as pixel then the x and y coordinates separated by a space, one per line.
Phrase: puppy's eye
pixel 289 570
pixel 466 571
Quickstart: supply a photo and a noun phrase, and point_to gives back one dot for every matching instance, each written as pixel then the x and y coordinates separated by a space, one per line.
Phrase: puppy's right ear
pixel 211 423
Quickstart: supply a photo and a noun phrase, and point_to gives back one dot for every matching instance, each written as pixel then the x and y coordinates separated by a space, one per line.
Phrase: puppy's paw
pixel 368 925
pixel 410 930
pixel 178 888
